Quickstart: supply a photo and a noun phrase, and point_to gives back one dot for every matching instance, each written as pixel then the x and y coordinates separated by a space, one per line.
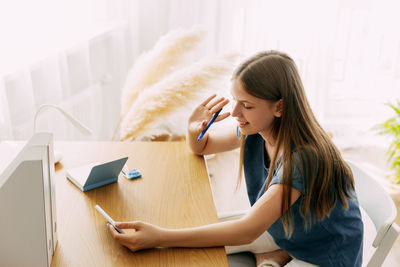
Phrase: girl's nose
pixel 235 109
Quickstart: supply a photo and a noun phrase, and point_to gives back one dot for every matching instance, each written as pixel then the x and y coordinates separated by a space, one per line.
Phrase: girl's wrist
pixel 163 237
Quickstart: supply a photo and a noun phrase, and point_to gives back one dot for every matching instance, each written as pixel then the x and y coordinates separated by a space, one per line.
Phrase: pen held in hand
pixel 209 124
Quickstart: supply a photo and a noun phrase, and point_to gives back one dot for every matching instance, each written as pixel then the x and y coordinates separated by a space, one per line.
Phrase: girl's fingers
pixel 222 116
pixel 123 239
pixel 113 232
pixel 215 102
pixel 219 106
pixel 208 100
pixel 203 125
pixel 112 229
pixel 127 240
pixel 128 225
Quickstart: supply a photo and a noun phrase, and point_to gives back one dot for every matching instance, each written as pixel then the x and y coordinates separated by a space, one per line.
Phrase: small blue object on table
pixel 131 174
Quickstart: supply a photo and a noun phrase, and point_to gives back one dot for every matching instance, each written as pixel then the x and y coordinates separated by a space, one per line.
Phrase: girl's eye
pixel 234 102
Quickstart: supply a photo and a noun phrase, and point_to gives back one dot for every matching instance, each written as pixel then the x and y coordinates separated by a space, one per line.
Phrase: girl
pixel 301 191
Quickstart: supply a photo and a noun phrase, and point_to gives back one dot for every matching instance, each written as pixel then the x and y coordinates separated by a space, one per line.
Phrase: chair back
pixel 375 201
pixel 381 209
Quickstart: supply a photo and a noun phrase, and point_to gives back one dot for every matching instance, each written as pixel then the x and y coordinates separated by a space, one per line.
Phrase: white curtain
pixel 83 79
pixel 66 53
pixel 348 54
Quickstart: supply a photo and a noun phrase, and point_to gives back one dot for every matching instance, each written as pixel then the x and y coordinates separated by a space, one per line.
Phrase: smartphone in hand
pixel 108 218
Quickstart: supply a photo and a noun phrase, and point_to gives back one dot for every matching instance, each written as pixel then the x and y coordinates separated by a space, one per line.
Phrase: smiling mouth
pixel 242 124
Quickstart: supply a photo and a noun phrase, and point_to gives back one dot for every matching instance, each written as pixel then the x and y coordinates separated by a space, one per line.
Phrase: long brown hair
pixel 273 76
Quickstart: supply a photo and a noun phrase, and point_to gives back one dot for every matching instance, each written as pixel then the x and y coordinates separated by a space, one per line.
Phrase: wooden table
pixel 174 192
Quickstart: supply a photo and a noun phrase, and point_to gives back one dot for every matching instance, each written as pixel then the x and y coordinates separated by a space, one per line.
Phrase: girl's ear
pixel 278 108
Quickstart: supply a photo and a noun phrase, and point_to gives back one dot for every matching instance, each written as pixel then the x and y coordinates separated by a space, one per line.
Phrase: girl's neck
pixel 269 140
pixel 269 143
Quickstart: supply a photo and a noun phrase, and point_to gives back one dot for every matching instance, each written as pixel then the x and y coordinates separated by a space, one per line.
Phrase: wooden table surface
pixel 174 192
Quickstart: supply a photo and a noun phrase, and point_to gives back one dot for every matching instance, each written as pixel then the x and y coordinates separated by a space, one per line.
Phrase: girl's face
pixel 253 114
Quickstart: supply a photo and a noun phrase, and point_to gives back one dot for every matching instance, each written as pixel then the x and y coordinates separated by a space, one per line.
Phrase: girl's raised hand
pixel 202 114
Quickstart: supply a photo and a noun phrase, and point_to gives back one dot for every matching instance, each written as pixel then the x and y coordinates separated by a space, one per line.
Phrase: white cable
pixel 75 122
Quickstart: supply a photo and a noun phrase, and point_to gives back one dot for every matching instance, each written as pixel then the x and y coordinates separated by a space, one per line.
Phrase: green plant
pixel 391 127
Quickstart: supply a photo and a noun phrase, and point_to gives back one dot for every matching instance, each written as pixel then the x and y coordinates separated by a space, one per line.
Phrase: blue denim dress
pixel 335 241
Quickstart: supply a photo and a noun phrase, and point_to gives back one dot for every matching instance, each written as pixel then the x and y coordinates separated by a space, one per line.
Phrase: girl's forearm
pixel 218 234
